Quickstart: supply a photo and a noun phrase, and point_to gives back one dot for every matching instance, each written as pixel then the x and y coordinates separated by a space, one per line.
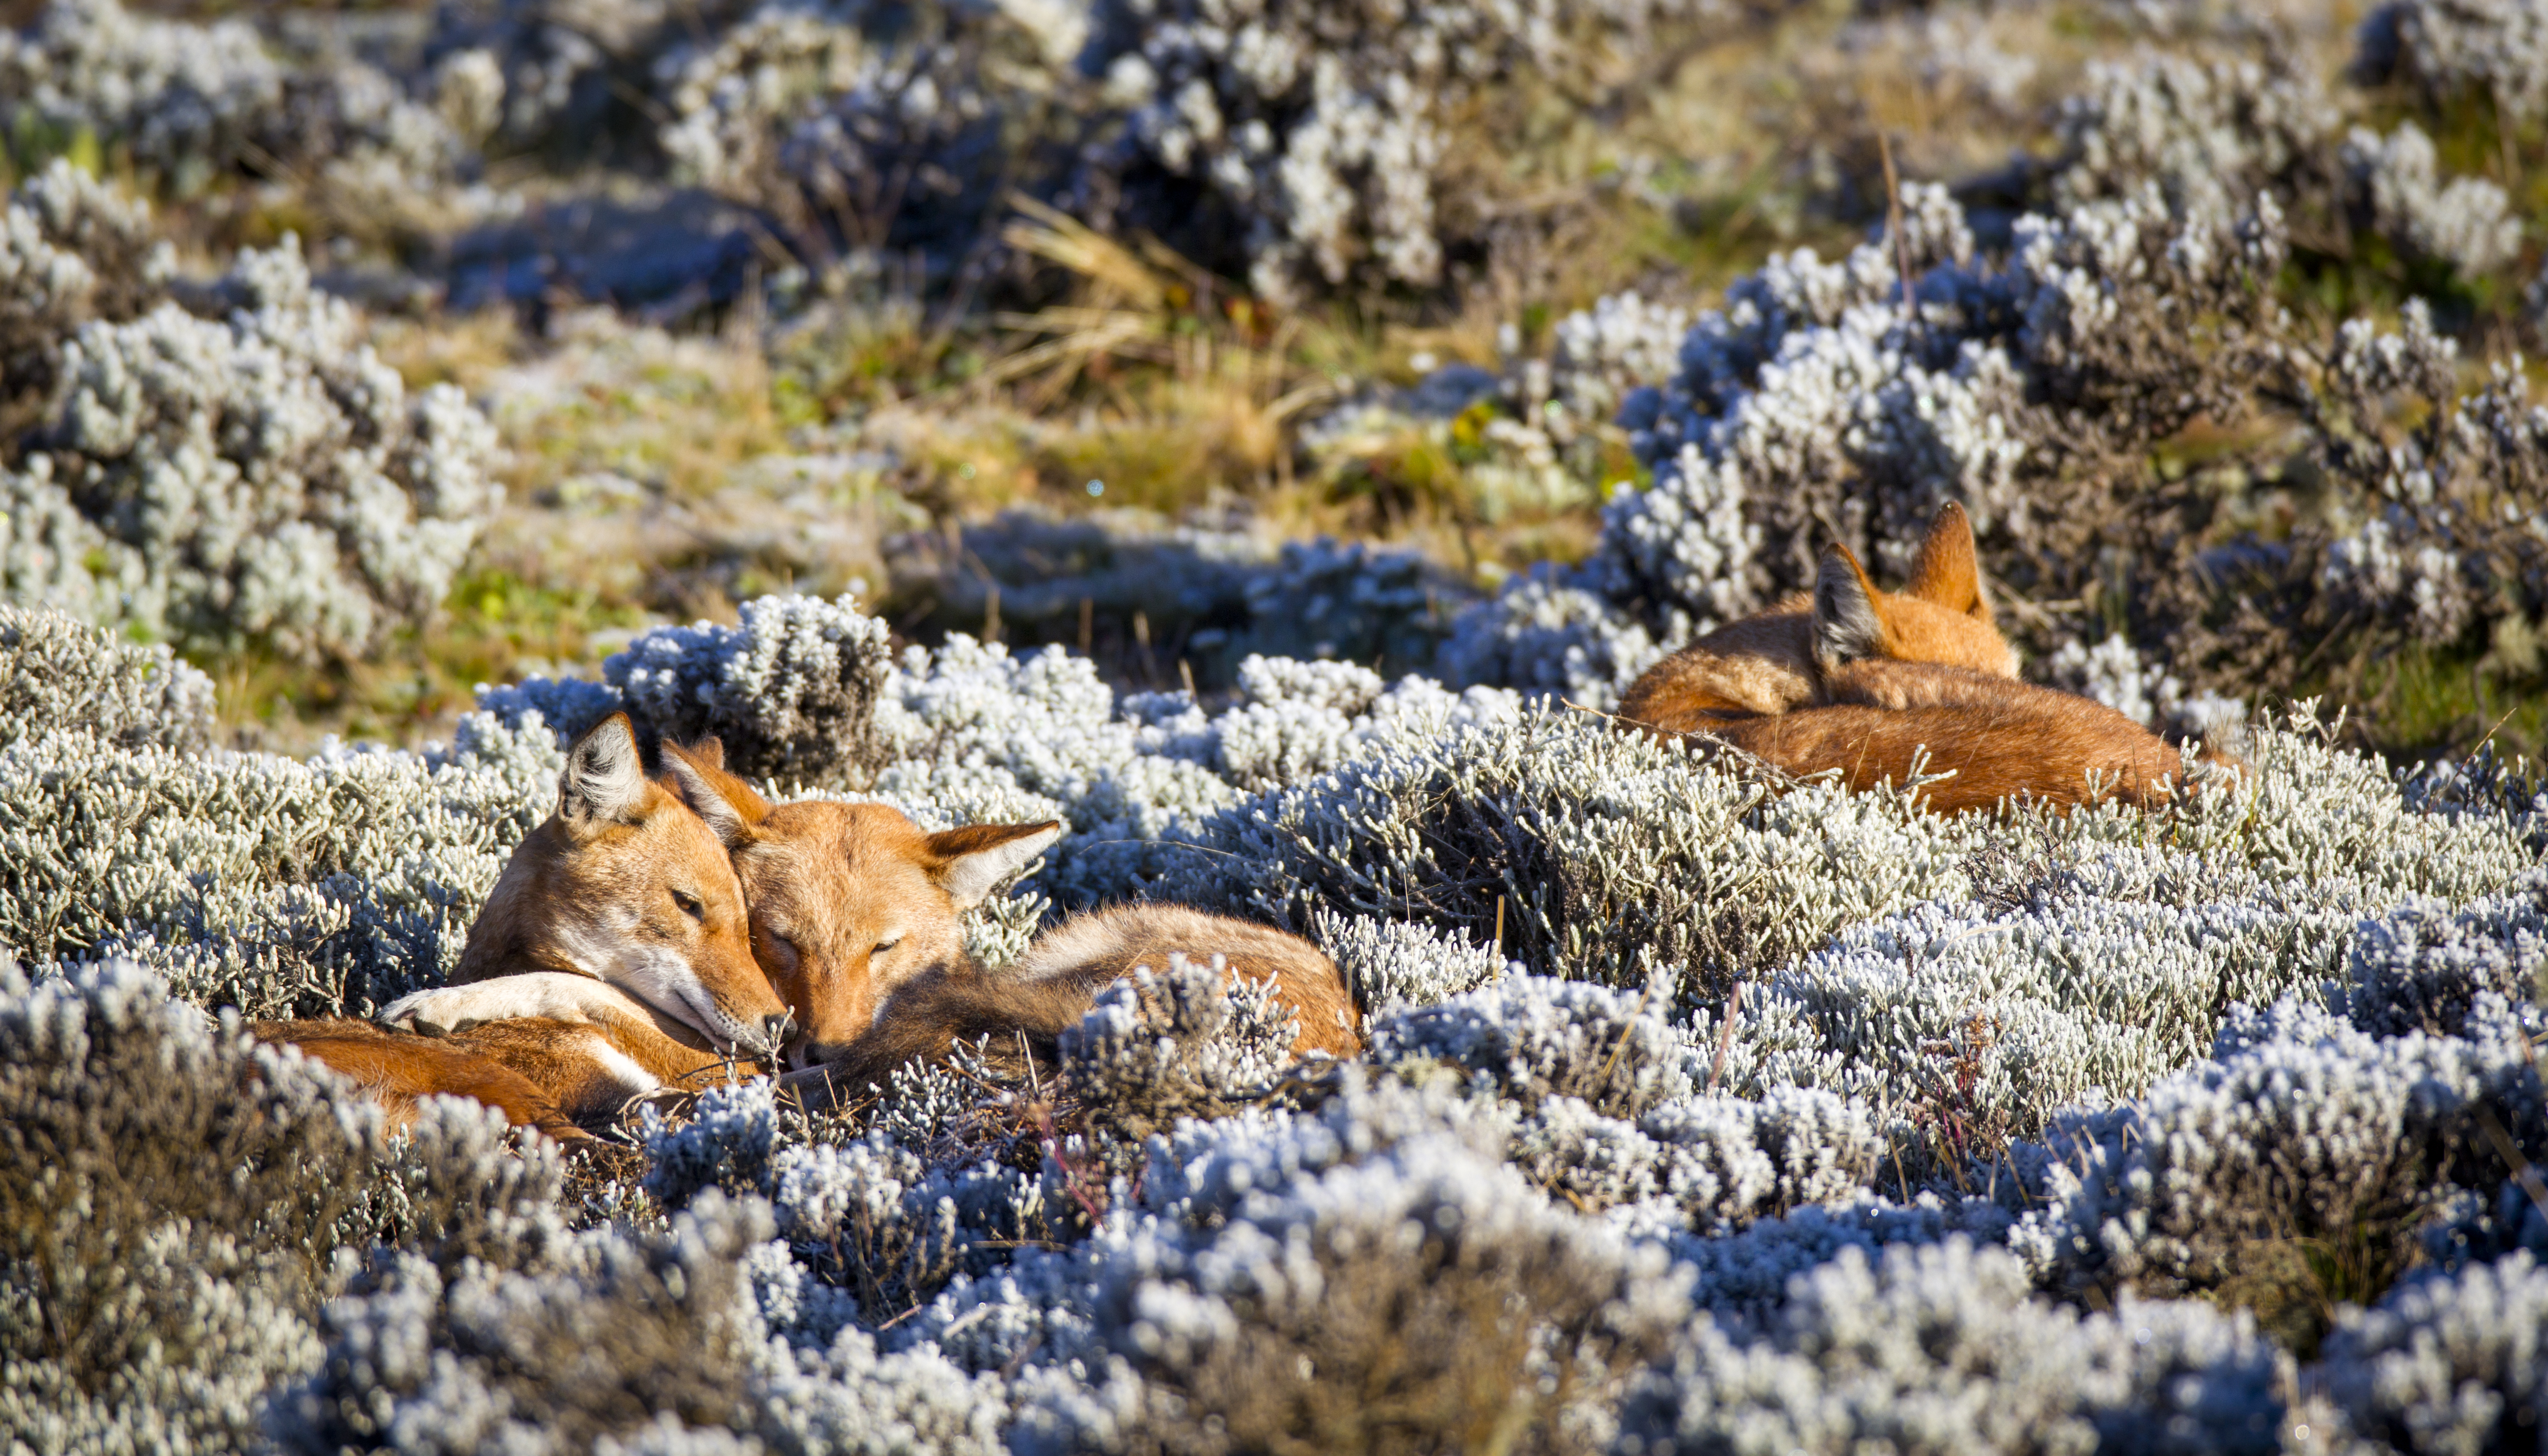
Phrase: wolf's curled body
pixel 1869 685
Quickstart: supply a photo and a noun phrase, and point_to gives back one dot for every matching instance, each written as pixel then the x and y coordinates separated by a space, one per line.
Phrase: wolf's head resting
pixel 630 882
pixel 849 901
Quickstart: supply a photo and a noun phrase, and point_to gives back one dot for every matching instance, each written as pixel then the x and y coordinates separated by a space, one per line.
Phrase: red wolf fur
pixel 614 958
pixel 1779 659
pixel 855 913
pixel 1863 682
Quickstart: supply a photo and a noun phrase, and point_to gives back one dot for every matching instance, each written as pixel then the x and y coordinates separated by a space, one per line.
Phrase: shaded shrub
pixel 173 1197
pixel 1941 1348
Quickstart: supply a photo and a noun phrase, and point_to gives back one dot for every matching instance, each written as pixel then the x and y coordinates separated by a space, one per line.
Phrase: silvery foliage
pixel 791 690
pixel 607 1335
pixel 726 1142
pixel 1939 1348
pixel 1549 636
pixel 974 733
pixel 1390 965
pixel 2096 963
pixel 1602 354
pixel 2424 966
pixel 2301 1127
pixel 190 101
pixel 2123 678
pixel 2208 131
pixel 1285 1250
pixel 325 887
pixel 1561 822
pixel 1183 1041
pixel 176 1195
pixel 1603 1088
pixel 850 111
pixel 2458 50
pixel 254 477
pixel 1810 396
pixel 2468 223
pixel 2447 1362
pixel 72 249
pixel 58 674
pixel 2446 537
pixel 1319 126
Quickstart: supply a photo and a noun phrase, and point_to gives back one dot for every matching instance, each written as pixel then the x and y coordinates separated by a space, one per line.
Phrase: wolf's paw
pixel 557 995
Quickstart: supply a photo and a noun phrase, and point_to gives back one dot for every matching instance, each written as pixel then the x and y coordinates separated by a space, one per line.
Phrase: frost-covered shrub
pixel 1171 1043
pixel 189 102
pixel 254 479
pixel 613 1337
pixel 901 125
pixel 60 675
pixel 1419 1296
pixel 2458 50
pixel 144 1149
pixel 1810 402
pixel 173 1197
pixel 726 1143
pixel 1348 599
pixel 2447 1363
pixel 1318 131
pixel 1546 636
pixel 2122 677
pixel 2102 963
pixel 181 97
pixel 2302 1130
pixel 2422 968
pixel 1390 964
pixel 1613 856
pixel 2207 132
pixel 1941 1348
pixel 1536 1038
pixel 284 888
pixel 2467 224
pixel 71 251
pixel 792 690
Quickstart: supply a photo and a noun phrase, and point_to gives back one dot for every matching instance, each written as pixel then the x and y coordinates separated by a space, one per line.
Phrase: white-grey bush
pixel 2447 1363
pixel 2456 49
pixel 60 675
pixel 255 478
pixel 2303 1128
pixel 189 101
pixel 2466 224
pixel 791 690
pixel 1319 129
pixel 1939 1348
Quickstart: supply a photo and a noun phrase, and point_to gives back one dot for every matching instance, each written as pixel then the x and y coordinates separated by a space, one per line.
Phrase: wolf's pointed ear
pixel 969 861
pixel 1946 571
pixel 707 753
pixel 1847 625
pixel 605 781
pixel 730 806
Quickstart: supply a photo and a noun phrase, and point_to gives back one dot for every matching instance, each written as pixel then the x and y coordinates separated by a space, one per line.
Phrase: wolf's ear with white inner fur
pixel 969 861
pixel 605 781
pixel 1847 625
pixel 727 803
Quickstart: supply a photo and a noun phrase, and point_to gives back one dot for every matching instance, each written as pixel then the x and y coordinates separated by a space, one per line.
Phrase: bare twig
pixel 1725 1037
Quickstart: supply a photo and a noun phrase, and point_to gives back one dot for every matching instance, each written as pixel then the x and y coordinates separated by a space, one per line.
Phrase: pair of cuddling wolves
pixel 669 933
pixel 664 932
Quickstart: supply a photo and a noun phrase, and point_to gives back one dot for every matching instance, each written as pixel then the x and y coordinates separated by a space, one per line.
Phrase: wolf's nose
pixel 775 1027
